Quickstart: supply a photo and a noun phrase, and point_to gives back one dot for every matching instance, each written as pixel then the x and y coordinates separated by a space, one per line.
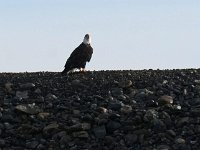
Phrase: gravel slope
pixel 125 110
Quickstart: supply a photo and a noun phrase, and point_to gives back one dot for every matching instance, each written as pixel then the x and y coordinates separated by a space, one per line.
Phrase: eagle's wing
pixel 89 54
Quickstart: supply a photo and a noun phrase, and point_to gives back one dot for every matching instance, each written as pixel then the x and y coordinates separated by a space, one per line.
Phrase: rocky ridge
pixel 101 110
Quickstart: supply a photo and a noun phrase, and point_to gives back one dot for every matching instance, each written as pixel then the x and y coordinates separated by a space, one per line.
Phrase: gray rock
pixel 8 87
pixel 99 131
pixel 126 109
pixel 163 147
pixel 28 109
pixel 50 127
pixel 22 94
pixel 80 127
pixel 117 92
pixel 150 115
pixel 27 86
pixel 43 115
pixel 51 97
pixel 125 84
pixel 81 134
pixel 180 141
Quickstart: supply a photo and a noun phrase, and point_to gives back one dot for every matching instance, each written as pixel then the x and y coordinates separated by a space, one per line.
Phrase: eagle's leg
pixel 82 70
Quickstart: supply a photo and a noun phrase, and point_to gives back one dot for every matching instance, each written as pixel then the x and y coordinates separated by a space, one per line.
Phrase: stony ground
pixel 106 110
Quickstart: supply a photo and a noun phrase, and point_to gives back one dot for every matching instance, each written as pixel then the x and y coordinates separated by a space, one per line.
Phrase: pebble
pixel 165 99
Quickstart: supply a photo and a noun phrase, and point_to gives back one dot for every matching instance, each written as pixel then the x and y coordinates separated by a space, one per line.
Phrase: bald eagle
pixel 79 56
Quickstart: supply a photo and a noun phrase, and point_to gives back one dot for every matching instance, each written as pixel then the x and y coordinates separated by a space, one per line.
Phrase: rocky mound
pixel 125 110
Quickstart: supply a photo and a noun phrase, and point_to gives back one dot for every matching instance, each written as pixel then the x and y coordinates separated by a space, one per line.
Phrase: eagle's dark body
pixel 78 57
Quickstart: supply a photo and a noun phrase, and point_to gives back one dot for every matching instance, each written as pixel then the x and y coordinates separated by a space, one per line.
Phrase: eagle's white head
pixel 87 39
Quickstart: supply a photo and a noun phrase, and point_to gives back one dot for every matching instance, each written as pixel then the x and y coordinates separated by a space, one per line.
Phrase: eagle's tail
pixel 65 71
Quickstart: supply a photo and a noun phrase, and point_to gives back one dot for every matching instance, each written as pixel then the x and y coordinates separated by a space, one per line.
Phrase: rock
pixel 50 127
pixel 125 84
pixel 2 142
pixel 8 87
pixel 158 125
pixel 163 147
pixel 38 91
pixel 171 133
pixel 150 115
pixel 183 121
pixel 108 140
pixel 81 134
pixel 195 112
pixel 28 109
pixel 76 112
pixel 41 147
pixel 112 126
pixel 102 110
pixel 79 127
pixel 27 86
pixel 43 115
pixel 131 139
pixel 117 92
pixel 51 97
pixel 126 109
pixel 93 106
pixel 22 95
pixel 32 144
pixel 99 131
pixel 165 99
pixel 151 103
pixel 180 141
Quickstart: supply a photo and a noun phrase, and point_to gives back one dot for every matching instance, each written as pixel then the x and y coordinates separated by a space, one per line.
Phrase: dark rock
pixel 99 131
pixel 112 126
pixel 2 142
pixel 32 144
pixel 22 94
pixel 150 115
pixel 183 121
pixel 50 127
pixel 117 92
pixel 79 127
pixel 158 125
pixel 81 134
pixel 115 105
pixel 131 139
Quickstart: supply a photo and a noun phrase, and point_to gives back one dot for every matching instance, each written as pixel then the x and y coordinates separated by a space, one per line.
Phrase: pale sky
pixel 39 35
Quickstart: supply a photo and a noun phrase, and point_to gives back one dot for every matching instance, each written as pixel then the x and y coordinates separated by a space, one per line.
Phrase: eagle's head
pixel 87 39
